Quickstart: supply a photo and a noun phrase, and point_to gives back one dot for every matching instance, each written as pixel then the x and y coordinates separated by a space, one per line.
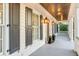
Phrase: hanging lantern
pixel 59 13
pixel 45 21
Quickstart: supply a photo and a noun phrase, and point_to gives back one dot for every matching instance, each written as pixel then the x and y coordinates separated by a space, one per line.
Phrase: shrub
pixel 63 27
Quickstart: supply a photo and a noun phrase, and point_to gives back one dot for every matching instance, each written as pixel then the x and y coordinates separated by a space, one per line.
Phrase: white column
pixel 50 29
pixel 44 32
pixel 22 28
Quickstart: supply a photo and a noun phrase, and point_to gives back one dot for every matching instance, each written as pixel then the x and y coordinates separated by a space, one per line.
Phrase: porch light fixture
pixel 45 21
pixel 59 13
pixel 59 9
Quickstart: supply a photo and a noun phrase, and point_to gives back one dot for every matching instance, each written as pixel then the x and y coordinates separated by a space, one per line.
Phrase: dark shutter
pixel 14 33
pixel 41 27
pixel 28 26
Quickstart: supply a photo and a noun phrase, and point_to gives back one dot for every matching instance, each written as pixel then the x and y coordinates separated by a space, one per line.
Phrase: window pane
pixel 1 23
pixel 29 17
pixel 0 32
pixel 1 20
pixel 35 25
pixel 0 45
pixel 0 38
pixel 1 13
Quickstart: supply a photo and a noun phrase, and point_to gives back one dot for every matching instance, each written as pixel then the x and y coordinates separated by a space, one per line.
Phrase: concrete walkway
pixel 61 47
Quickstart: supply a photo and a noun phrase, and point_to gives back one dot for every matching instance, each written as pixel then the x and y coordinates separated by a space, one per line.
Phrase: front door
pixel 14 33
pixel 28 26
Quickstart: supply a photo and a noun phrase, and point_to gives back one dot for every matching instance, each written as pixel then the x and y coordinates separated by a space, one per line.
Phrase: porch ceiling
pixel 57 9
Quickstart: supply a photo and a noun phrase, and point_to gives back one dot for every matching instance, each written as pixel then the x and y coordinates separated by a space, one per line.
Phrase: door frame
pixel 5 43
pixel 3 29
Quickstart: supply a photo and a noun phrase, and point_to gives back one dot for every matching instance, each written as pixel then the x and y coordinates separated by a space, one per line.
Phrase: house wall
pixel 70 28
pixel 36 43
pixel 39 10
pixel 73 14
pixel 77 28
pixel 71 19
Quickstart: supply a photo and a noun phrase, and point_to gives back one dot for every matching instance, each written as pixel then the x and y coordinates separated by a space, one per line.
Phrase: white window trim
pixel 5 42
pixel 77 13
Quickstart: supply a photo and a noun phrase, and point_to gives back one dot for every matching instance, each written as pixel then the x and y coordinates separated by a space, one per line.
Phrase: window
pixel 35 25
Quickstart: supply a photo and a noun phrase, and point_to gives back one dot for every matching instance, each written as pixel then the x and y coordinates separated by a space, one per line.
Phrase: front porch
pixel 62 46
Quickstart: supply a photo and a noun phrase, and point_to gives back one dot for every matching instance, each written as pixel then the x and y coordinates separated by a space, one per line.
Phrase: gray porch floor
pixel 61 47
